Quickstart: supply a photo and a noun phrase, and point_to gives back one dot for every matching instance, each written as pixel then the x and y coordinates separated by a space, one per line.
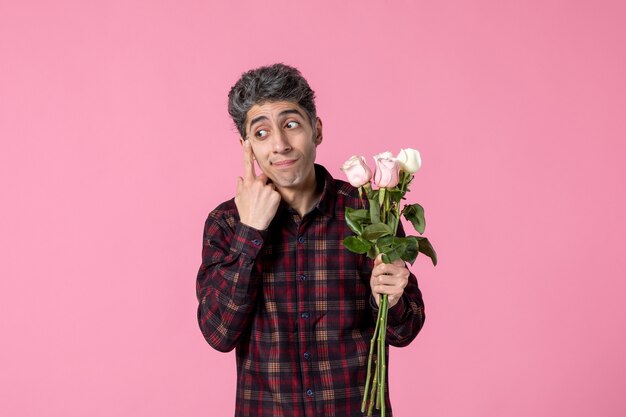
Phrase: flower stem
pixel 369 364
pixel 370 408
pixel 375 396
pixel 380 400
pixel 383 354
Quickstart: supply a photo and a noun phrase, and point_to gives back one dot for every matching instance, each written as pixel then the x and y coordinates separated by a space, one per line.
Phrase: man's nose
pixel 281 141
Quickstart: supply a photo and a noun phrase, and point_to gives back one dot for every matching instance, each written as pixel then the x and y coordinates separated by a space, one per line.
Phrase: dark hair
pixel 278 82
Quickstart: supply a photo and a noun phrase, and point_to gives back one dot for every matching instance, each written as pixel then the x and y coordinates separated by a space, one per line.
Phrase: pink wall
pixel 116 144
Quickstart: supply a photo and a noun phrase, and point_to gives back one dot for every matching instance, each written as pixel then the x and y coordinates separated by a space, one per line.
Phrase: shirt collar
pixel 327 183
pixel 326 204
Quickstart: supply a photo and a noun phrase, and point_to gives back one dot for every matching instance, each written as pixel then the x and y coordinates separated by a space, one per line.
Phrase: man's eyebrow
pixel 257 119
pixel 291 111
pixel 282 113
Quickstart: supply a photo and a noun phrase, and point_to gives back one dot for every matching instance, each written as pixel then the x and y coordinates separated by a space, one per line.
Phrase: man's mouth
pixel 284 163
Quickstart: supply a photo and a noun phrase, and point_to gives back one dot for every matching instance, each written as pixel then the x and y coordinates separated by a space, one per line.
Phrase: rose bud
pixel 387 170
pixel 357 171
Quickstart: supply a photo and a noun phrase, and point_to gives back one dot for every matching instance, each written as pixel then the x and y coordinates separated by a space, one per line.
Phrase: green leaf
pixel 387 258
pixel 354 226
pixel 391 256
pixel 427 249
pixel 395 194
pixel 385 244
pixel 375 231
pixel 374 209
pixel 392 220
pixel 415 214
pixel 357 244
pixel 392 247
pixel 412 249
pixel 358 214
pixel 355 219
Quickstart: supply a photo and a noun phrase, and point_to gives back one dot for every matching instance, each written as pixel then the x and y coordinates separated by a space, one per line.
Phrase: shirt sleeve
pixel 226 286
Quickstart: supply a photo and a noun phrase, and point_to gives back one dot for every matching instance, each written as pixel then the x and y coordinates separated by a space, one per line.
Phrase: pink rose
pixel 357 171
pixel 387 170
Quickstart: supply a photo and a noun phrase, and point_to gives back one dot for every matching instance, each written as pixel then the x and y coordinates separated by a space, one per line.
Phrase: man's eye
pixel 292 125
pixel 261 133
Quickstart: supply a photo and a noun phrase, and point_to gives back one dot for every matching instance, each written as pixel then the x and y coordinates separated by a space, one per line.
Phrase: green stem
pixel 383 356
pixel 382 201
pixel 381 330
pixel 405 180
pixel 369 362
pixel 373 394
pixel 380 403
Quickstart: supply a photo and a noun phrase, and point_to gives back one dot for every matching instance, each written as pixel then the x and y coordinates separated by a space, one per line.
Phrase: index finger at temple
pixel 248 161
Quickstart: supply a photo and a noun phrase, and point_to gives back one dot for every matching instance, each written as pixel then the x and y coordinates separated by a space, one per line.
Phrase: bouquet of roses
pixel 375 231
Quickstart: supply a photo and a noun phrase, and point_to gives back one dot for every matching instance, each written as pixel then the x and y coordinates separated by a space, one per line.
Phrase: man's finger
pixel 265 179
pixel 248 161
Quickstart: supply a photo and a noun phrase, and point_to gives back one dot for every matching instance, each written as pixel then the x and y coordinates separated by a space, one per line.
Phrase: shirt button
pixel 256 242
pixel 304 315
pixel 307 355
pixel 301 239
pixel 309 392
pixel 302 277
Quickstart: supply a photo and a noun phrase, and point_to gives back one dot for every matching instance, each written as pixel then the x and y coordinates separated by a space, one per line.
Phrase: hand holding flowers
pixel 375 229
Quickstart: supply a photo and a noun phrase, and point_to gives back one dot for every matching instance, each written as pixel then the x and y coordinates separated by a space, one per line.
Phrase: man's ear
pixel 318 131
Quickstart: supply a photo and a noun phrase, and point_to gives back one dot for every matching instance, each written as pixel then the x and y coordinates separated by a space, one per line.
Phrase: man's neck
pixel 303 199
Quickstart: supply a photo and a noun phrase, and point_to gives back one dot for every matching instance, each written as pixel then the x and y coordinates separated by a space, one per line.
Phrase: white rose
pixel 410 160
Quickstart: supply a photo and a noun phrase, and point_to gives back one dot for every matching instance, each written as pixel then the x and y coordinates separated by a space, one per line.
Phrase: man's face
pixel 284 142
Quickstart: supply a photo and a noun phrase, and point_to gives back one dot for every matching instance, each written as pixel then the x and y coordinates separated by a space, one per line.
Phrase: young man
pixel 275 283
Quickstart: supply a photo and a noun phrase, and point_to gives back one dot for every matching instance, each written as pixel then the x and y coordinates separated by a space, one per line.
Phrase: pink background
pixel 116 144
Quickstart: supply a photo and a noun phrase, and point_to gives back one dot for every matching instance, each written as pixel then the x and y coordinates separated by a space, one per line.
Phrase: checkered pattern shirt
pixel 296 306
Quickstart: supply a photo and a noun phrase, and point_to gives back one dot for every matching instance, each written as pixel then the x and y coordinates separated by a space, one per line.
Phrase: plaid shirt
pixel 297 307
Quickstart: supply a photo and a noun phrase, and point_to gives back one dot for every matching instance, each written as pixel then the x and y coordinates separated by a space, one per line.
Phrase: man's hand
pixel 256 199
pixel 389 279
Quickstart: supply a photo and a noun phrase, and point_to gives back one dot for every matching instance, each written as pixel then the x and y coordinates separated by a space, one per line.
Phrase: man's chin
pixel 287 180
